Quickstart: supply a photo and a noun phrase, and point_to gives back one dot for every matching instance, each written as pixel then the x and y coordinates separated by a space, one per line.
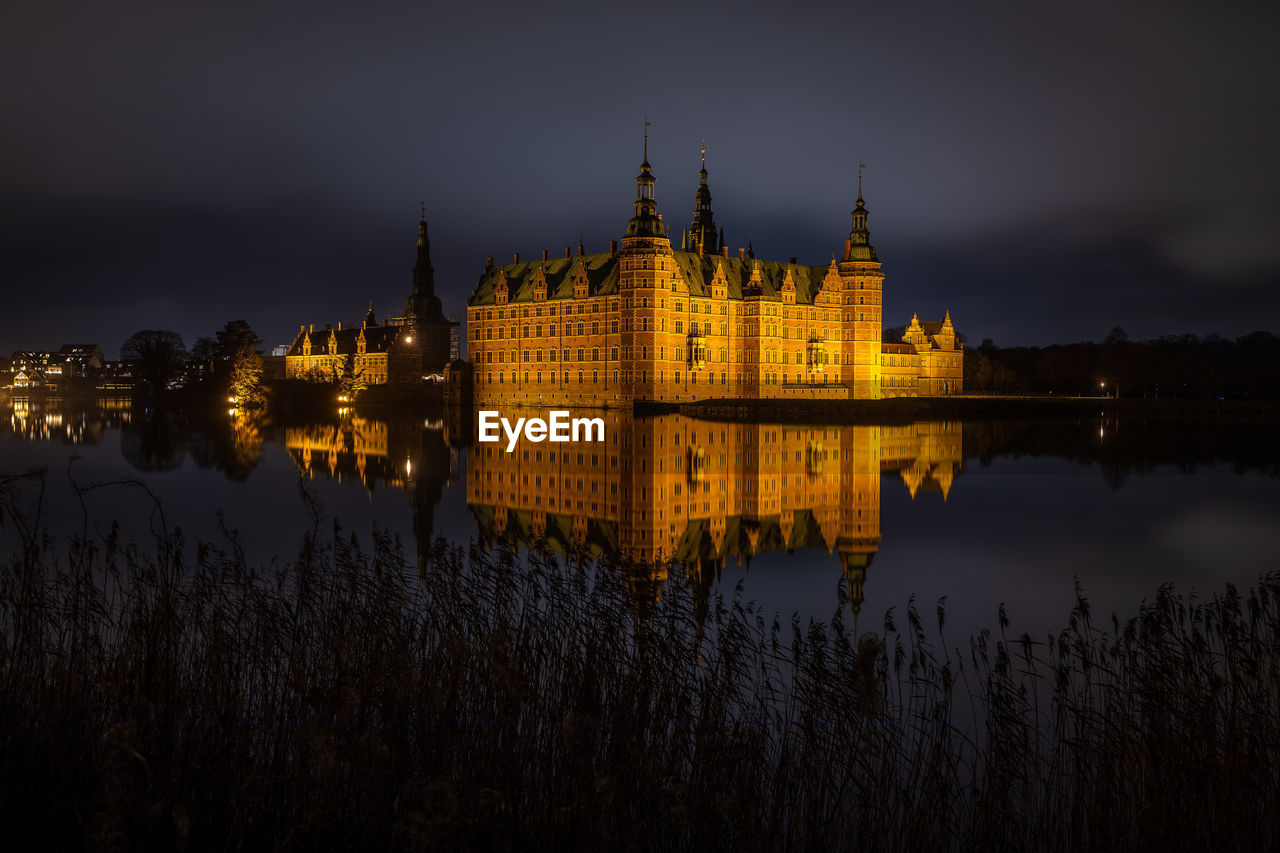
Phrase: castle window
pixel 524 332
pixel 613 354
pixel 595 376
pixel 500 332
pixel 551 312
pixel 526 376
pixel 551 330
pixel 579 377
pixel 580 352
pixel 539 375
pixel 526 355
pixel 677 377
pixel 538 357
pixel 551 355
pixel 679 326
pixel 581 327
pixel 595 327
pixel 566 354
pixel 595 353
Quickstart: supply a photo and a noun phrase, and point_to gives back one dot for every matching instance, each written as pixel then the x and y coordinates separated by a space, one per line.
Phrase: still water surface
pixel 981 513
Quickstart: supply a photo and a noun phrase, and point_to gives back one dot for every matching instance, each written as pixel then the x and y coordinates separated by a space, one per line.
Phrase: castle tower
pixel 647 278
pixel 703 237
pixel 430 331
pixel 423 302
pixel 863 286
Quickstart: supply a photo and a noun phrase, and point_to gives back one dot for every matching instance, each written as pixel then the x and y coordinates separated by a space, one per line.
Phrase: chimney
pixel 848 248
pixel 312 331
pixel 488 263
pixel 544 254
pixel 742 254
pixel 793 259
pixel 580 251
pixel 566 252
pixel 516 256
pixel 339 325
pixel 699 248
pixel 613 248
pixel 725 251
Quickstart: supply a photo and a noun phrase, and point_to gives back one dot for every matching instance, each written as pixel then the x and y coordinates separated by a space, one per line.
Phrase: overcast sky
pixel 1043 171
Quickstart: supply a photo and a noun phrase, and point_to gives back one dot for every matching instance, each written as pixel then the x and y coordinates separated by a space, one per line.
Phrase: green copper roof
pixel 602 275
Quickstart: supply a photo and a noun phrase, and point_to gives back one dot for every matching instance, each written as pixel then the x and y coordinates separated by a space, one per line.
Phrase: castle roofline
pixel 603 276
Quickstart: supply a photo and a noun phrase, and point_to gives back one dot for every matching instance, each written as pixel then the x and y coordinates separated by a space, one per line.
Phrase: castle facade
pixel 645 322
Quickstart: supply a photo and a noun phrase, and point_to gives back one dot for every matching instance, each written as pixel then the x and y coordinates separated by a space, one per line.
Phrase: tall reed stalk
pixel 177 697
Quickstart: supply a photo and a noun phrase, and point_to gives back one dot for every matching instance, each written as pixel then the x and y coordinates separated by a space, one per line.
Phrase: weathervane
pixel 704 153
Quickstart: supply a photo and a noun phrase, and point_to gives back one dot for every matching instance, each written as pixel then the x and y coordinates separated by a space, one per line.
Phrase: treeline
pixel 1172 366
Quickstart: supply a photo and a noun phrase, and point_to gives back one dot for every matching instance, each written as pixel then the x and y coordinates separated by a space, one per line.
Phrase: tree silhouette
pixel 157 357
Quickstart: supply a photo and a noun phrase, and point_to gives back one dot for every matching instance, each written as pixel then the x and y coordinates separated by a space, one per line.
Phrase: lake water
pixel 981 513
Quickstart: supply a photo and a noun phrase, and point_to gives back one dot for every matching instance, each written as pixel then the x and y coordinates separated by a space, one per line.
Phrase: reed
pixel 181 697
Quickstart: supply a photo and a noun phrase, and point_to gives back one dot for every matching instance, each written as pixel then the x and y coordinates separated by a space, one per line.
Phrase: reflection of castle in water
pixel 705 493
pixel 413 455
pixel 50 419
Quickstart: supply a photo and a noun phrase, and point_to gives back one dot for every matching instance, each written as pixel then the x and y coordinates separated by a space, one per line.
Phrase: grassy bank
pixel 181 698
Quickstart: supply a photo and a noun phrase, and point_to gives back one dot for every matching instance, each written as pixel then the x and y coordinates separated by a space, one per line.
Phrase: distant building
pixel 645 322
pixel 405 349
pixel 81 360
pixel 378 354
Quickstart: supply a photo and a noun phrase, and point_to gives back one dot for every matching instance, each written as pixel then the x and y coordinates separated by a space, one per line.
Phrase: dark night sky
pixel 1044 171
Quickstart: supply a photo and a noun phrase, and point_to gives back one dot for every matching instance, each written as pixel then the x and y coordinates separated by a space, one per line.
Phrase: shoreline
pixel 969 408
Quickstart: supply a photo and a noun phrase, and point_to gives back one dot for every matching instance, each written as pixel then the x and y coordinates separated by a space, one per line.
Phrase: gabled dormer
pixel 581 282
pixel 540 284
pixel 362 343
pixel 500 289
pixel 332 345
pixel 754 285
pixel 832 284
pixel 719 282
pixel 789 288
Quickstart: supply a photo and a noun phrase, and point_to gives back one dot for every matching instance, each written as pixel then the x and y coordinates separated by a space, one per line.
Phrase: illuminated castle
pixel 645 322
pixel 403 350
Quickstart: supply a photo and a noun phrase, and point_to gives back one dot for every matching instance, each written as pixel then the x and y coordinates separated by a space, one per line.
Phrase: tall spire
pixel 860 248
pixel 702 231
pixel 423 303
pixel 646 222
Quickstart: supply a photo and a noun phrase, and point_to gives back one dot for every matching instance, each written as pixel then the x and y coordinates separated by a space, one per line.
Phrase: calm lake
pixel 977 512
